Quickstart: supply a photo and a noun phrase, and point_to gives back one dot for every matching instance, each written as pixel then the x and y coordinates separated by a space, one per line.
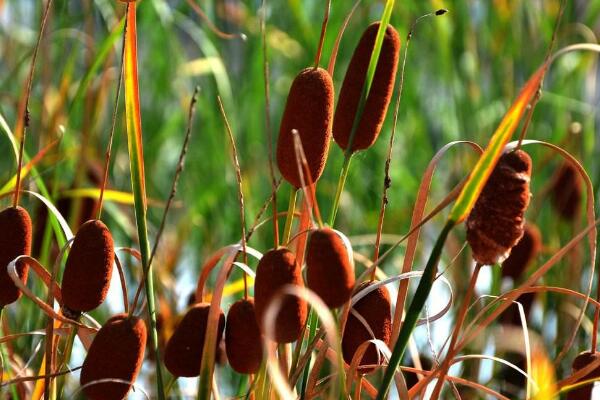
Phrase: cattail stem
pixel 322 37
pixel 238 175
pixel 113 125
pixel 414 310
pixel 340 186
pixel 263 28
pixel 457 326
pixel 66 357
pixel 290 215
pixel 313 319
pixel 23 111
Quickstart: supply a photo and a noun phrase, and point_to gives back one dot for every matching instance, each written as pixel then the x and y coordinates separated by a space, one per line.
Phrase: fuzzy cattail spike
pixel 308 110
pixel 379 96
pixel 581 361
pixel 277 268
pixel 524 252
pixel 567 192
pixel 183 353
pixel 117 352
pixel 15 240
pixel 376 309
pixel 88 270
pixel 243 341
pixel 497 220
pixel 329 268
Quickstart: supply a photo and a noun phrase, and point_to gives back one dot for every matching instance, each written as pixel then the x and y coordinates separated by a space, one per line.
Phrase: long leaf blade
pixel 136 164
pixel 486 163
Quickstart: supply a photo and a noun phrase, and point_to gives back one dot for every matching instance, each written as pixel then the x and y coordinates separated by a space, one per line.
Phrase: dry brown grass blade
pixel 416 221
pixel 590 216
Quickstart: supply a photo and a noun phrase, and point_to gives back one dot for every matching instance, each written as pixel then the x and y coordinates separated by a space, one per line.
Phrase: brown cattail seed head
pixel 380 94
pixel 582 360
pixel 376 309
pixel 567 192
pixel 524 252
pixel 183 353
pixel 243 341
pixel 308 110
pixel 329 269
pixel 497 220
pixel 15 240
pixel 117 352
pixel 276 269
pixel 88 269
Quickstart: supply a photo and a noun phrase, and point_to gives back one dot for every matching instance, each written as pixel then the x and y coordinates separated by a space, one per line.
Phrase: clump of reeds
pixel 183 353
pixel 15 240
pixel 329 268
pixel 116 354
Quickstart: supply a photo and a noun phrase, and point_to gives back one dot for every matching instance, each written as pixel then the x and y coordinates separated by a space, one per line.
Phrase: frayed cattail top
pixel 497 220
pixel 380 94
pixel 309 110
pixel 15 240
pixel 88 269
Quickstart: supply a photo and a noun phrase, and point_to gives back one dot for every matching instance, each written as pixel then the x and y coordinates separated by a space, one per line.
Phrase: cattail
pixel 582 360
pixel 524 252
pixel 15 240
pixel 243 341
pixel 309 110
pixel 497 220
pixel 512 316
pixel 380 93
pixel 88 269
pixel 183 353
pixel 567 192
pixel 277 268
pixel 329 269
pixel 117 353
pixel 376 310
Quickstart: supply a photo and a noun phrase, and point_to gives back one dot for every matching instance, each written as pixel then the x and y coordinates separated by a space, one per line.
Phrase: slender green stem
pixel 3 366
pixel 416 306
pixel 340 186
pixel 290 216
pixel 313 319
pixel 66 357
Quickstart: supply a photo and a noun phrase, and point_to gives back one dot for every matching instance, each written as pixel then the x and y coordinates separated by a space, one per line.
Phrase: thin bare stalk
pixel 238 175
pixel 263 29
pixel 23 112
pixel 387 181
pixel 112 127
pixel 322 37
pixel 457 327
pixel 178 171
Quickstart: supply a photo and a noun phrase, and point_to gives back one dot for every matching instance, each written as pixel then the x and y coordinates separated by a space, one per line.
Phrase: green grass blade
pixel 136 163
pixel 486 163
